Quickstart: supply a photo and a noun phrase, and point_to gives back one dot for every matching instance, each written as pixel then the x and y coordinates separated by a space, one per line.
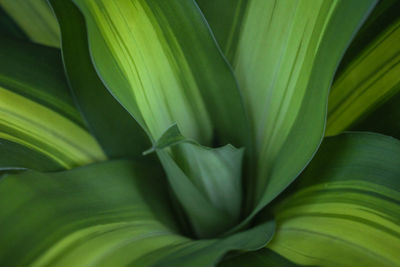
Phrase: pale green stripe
pixel 274 62
pixel 136 41
pixel 320 227
pixel 369 80
pixel 47 130
pixel 98 243
pixel 41 95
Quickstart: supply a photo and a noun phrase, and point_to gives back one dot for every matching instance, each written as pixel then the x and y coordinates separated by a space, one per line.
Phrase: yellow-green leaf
pixel 345 210
pixel 160 61
pixel 36 110
pixel 370 79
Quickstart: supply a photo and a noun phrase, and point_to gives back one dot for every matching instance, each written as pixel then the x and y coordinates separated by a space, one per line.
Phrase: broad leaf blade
pixel 113 213
pixel 36 109
pixel 115 129
pixel 285 59
pixel 161 62
pixel 36 19
pixel 345 210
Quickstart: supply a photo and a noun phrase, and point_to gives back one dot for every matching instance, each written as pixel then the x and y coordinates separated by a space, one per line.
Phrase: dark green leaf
pixel 14 156
pixel 36 19
pixel 8 26
pixel 385 120
pixel 107 214
pixel 262 257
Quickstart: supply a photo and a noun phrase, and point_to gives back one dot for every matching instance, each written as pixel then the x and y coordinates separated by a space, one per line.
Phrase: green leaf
pixel 14 156
pixel 384 120
pixel 225 18
pixel 368 80
pixel 36 110
pixel 115 129
pixel 8 26
pixel 107 214
pixel 383 15
pixel 206 181
pixel 261 257
pixel 36 19
pixel 285 68
pixel 285 60
pixel 345 210
pixel 160 61
pixel 290 80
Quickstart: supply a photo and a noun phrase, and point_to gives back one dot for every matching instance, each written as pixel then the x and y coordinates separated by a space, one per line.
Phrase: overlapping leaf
pixel 207 181
pixel 385 120
pixel 346 209
pixel 285 60
pixel 115 129
pixel 36 19
pixel 8 27
pixel 160 61
pixel 369 80
pixel 37 115
pixel 107 214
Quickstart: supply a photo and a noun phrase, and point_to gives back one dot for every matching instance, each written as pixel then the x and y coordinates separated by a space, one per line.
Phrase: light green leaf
pixel 286 75
pixel 160 61
pixel 345 210
pixel 115 129
pixel 285 68
pixel 369 80
pixel 36 110
pixel 286 57
pixel 36 19
pixel 107 214
pixel 206 181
